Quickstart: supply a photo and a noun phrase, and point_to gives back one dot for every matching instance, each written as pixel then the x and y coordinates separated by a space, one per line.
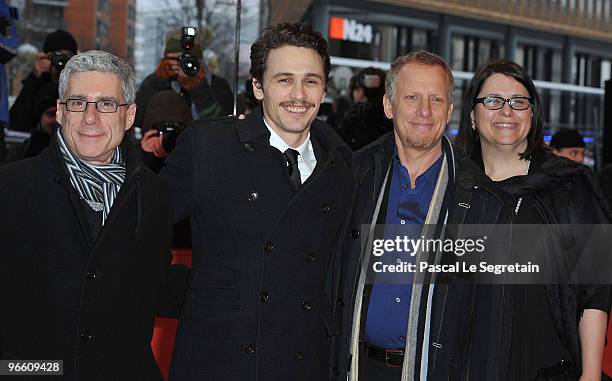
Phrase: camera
pixel 188 62
pixel 58 60
pixel 169 131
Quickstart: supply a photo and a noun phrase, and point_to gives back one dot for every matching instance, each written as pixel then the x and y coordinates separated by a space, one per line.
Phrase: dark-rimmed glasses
pixel 104 106
pixel 497 103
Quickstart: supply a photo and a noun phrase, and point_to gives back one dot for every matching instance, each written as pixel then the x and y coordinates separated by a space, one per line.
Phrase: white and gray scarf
pixel 98 185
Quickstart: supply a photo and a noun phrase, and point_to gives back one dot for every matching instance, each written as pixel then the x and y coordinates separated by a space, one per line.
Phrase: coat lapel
pixel 61 176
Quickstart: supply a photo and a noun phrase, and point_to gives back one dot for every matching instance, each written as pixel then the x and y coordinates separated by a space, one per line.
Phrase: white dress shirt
pixel 306 159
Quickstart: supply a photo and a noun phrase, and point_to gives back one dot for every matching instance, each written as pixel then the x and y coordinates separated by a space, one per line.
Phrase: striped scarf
pixel 98 185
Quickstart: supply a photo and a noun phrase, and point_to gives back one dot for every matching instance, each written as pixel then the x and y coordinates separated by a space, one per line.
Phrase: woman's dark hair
pixel 467 139
pixel 287 34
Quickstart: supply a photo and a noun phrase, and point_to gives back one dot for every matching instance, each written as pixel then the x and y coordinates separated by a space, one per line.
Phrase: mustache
pixel 296 104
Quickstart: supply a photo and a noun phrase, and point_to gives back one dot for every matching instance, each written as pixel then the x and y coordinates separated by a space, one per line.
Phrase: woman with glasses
pixel 542 331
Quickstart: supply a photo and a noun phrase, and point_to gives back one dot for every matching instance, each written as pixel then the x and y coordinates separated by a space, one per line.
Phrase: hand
pixel 42 64
pixel 190 83
pixel 168 67
pixel 152 143
pixel 585 378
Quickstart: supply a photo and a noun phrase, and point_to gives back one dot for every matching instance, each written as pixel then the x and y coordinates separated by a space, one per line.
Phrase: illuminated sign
pixel 349 30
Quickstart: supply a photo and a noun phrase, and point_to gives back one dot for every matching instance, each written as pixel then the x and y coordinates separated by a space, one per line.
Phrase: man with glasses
pixel 85 232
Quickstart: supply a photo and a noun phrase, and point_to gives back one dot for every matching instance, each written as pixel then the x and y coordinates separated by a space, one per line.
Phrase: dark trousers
pixel 375 370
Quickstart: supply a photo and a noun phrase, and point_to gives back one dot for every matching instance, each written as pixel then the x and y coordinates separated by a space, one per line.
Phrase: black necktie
pixel 292 168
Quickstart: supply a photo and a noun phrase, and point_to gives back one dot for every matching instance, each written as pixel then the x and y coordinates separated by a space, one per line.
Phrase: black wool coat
pixel 66 296
pixel 258 307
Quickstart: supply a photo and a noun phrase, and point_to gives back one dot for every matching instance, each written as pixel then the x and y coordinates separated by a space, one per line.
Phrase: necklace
pixel 520 200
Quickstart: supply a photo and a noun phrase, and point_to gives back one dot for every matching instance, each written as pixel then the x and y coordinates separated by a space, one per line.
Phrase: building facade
pixel 103 24
pixel 565 45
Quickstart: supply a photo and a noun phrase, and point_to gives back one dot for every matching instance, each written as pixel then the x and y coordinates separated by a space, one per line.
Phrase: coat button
pixel 355 233
pixel 248 147
pixel 86 335
pixel 311 258
pixel 249 349
pixel 306 306
pixel 299 356
pixel 253 196
pixel 268 247
pixel 264 297
pixel 340 302
pixel 325 209
pixel 91 274
pixel 333 164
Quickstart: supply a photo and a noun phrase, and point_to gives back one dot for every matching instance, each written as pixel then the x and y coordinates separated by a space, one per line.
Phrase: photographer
pixel 57 49
pixel 365 120
pixel 166 116
pixel 181 70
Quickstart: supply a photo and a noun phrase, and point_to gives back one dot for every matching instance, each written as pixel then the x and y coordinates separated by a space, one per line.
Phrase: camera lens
pixel 189 64
pixel 58 60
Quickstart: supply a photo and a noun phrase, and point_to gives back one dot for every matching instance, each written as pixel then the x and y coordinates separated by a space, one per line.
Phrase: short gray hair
pixel 103 62
pixel 420 57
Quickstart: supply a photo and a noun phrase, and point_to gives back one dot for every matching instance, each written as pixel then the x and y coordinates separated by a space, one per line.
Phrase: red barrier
pixel 165 329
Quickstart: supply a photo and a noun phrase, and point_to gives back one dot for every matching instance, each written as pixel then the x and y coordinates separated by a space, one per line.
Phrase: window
pixel 103 5
pixel 469 52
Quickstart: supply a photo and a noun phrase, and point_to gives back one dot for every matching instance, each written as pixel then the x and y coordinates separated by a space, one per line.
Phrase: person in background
pixel 207 94
pixel 45 108
pixel 167 116
pixel 365 120
pixel 57 49
pixel 568 143
pixel 8 49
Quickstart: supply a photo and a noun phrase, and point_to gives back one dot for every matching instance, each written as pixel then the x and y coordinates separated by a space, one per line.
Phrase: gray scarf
pixel 98 185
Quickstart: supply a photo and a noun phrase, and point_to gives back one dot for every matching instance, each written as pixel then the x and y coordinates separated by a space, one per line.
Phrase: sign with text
pixel 349 30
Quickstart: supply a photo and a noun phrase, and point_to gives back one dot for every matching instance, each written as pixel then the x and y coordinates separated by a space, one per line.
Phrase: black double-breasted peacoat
pixel 66 296
pixel 259 302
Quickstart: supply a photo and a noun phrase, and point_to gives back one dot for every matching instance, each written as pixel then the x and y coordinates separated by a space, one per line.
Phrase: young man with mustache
pixel 268 196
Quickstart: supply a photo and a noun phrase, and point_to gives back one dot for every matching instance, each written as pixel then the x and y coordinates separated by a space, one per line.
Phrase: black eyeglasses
pixel 497 103
pixel 104 106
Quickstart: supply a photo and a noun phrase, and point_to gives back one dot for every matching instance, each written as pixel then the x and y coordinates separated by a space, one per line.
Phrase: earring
pixel 473 125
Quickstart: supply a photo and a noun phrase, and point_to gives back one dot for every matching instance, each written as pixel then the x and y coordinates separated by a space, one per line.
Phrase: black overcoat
pixel 67 297
pixel 258 307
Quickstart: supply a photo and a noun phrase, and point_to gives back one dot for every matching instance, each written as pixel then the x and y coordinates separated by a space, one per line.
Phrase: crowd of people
pixel 281 211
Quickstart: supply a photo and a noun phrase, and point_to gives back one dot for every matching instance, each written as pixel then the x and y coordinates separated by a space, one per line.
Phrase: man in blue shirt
pixel 393 325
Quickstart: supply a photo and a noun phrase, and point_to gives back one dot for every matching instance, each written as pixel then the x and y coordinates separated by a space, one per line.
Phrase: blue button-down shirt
pixel 387 318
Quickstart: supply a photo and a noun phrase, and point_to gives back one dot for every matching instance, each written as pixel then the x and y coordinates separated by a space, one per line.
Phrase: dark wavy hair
pixel 287 34
pixel 467 139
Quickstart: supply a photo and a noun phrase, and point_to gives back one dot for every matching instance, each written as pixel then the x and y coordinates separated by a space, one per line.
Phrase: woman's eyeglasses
pixel 497 103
